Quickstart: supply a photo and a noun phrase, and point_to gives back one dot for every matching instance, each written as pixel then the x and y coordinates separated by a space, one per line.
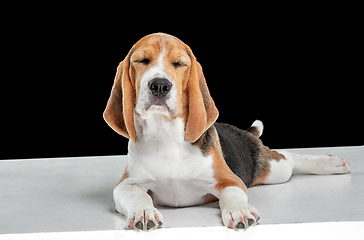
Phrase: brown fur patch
pixel 202 110
pixel 120 106
pixel 276 156
pixel 263 175
pixel 223 175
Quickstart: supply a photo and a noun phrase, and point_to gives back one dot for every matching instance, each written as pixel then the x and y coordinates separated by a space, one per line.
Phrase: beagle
pixel 178 154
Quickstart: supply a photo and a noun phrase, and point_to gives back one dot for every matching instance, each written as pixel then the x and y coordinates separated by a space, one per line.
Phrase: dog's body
pixel 178 156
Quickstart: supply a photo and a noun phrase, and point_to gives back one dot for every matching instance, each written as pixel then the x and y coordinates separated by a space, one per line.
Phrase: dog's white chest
pixel 179 193
pixel 175 171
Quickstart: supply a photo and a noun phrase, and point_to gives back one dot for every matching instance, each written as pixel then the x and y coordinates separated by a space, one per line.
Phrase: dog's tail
pixel 256 128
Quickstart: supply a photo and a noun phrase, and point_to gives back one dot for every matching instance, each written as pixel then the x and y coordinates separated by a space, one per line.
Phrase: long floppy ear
pixel 202 110
pixel 119 112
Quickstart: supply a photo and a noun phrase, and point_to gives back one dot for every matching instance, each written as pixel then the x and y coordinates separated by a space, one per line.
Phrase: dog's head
pixel 160 75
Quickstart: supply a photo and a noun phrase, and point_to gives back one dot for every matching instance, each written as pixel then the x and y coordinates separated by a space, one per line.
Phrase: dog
pixel 179 155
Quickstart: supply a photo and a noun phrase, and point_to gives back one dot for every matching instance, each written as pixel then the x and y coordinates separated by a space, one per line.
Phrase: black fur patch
pixel 242 152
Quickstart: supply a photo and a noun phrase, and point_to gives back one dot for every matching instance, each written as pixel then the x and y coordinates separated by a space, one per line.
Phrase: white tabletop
pixel 75 195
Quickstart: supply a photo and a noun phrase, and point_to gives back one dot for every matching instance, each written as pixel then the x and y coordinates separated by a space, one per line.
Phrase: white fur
pixel 280 171
pixel 316 164
pixel 136 205
pixel 259 125
pixel 175 170
pixel 161 161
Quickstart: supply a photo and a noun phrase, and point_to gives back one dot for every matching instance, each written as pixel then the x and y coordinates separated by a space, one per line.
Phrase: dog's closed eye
pixel 144 61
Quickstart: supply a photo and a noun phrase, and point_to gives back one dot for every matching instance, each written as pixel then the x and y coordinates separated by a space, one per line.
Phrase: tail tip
pixel 258 125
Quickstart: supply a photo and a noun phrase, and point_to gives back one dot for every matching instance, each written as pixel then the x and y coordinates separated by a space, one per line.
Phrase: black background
pixel 298 72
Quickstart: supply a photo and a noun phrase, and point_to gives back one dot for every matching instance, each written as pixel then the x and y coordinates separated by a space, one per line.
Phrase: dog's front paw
pixel 145 219
pixel 240 216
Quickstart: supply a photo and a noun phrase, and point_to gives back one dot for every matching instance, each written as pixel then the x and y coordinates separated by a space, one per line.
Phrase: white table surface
pixel 74 196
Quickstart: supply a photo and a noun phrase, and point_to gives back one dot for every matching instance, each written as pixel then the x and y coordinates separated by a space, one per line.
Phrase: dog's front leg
pixel 136 204
pixel 236 212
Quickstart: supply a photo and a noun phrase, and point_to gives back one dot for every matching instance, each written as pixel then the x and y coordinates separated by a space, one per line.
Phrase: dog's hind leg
pixel 283 164
pixel 316 164
pixel 277 169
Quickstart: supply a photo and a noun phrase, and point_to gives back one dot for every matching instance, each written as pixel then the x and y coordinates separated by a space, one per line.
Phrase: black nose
pixel 160 87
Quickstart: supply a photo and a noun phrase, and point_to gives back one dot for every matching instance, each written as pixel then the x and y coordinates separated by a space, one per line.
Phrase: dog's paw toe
pixel 240 217
pixel 145 220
